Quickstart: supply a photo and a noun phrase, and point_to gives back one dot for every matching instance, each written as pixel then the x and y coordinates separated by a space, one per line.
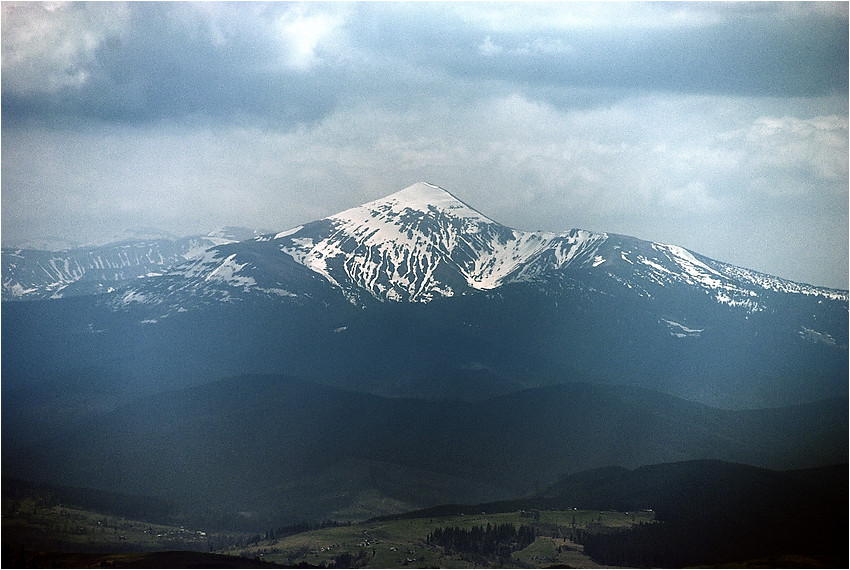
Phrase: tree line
pixel 492 541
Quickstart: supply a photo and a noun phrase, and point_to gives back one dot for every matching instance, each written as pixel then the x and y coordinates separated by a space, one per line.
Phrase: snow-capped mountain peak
pixel 412 213
pixel 421 243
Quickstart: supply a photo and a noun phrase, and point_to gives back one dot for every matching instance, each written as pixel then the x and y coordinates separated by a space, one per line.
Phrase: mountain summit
pixel 422 243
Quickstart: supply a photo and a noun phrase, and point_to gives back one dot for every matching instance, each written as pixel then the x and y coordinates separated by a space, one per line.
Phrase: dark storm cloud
pixel 735 60
pixel 770 50
pixel 174 60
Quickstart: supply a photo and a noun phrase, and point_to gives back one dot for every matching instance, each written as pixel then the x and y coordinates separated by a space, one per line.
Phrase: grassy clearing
pixel 31 525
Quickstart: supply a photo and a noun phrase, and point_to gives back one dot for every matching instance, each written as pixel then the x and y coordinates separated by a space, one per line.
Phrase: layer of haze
pixel 721 127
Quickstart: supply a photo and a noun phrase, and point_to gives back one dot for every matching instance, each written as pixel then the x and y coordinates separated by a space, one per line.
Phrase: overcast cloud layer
pixel 719 127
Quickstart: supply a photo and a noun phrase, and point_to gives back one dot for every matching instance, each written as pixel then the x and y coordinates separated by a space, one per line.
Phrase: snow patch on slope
pixel 816 337
pixel 288 232
pixel 698 271
pixel 681 331
pixel 228 272
pixel 490 268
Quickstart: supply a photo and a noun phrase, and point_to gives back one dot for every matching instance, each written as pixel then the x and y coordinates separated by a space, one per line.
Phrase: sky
pixel 721 127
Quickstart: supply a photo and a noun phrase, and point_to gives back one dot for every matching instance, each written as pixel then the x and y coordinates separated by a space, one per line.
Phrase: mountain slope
pixel 440 357
pixel 398 295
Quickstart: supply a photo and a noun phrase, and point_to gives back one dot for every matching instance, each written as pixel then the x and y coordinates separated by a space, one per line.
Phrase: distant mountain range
pixel 422 244
pixel 403 353
pixel 85 270
pixel 418 244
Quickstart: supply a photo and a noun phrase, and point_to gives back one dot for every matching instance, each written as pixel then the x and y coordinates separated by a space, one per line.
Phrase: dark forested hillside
pixel 281 447
pixel 715 513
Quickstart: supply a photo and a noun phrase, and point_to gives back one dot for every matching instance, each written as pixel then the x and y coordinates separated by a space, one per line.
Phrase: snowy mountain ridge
pixel 416 245
pixel 92 269
pixel 422 243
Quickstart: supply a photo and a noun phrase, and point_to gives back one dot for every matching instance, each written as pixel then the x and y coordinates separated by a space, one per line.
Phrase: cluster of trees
pixel 497 541
pixel 348 560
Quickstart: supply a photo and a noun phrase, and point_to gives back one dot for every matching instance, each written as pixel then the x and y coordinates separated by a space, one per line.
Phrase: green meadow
pixel 403 542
